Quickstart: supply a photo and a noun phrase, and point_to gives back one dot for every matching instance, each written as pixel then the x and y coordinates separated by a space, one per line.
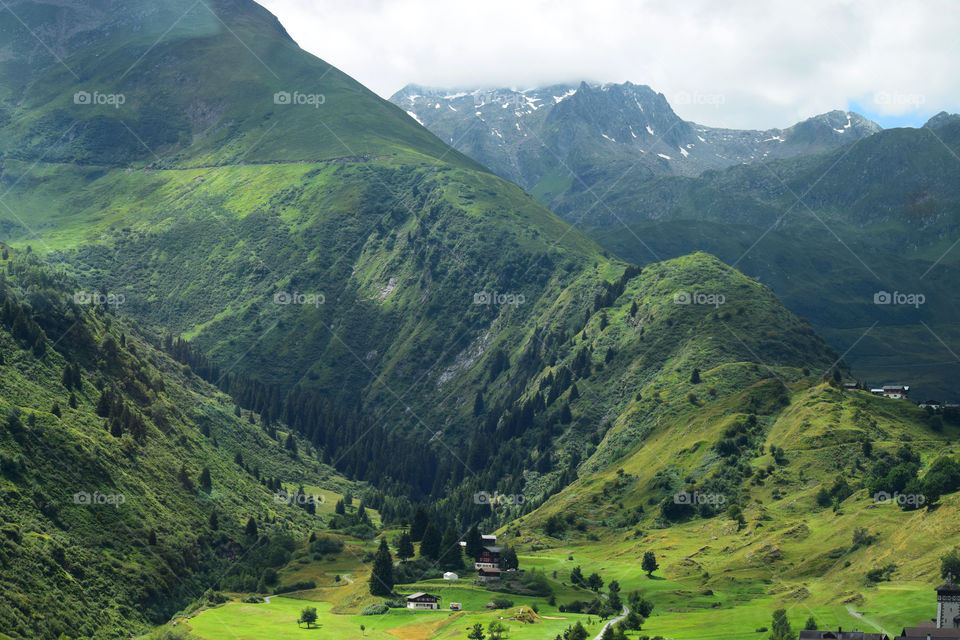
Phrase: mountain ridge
pixel 570 119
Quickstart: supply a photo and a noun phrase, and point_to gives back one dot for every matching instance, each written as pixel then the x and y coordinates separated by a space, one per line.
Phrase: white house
pixel 421 600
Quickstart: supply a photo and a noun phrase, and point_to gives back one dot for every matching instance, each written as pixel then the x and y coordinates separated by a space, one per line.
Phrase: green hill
pixel 106 520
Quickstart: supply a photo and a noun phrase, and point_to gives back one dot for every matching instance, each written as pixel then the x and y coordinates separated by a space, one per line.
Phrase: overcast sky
pixel 746 64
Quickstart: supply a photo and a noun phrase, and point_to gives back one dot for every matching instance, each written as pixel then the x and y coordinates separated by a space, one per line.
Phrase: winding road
pixel 623 614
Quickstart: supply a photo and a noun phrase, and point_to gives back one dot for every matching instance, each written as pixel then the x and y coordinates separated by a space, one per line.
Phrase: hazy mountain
pixel 813 219
pixel 566 139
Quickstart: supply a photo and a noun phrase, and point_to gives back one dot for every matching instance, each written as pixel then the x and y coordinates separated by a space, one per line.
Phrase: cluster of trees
pixel 898 473
pixel 593 582
pixel 356 523
pixel 495 631
pixel 739 443
pixel 19 320
pixel 120 417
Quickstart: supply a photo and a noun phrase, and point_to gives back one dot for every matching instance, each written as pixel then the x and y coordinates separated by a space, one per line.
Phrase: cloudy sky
pixel 753 64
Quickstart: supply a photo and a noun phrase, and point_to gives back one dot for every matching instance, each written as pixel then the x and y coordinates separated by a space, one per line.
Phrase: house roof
pixel 421 594
pixel 895 387
pixel 924 632
pixel 949 586
pixel 841 635
pixel 494 549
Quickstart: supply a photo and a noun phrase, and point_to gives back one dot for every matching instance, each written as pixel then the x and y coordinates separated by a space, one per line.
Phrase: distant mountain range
pixel 563 138
pixel 826 212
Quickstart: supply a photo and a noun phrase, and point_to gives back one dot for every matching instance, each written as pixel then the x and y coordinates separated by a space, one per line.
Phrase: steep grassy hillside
pixel 777 482
pixel 104 442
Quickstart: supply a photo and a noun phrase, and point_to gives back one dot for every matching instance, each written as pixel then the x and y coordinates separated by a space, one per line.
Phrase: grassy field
pixel 278 619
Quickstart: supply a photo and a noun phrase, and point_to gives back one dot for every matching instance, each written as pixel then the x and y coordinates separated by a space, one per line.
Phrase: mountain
pixel 810 210
pixel 109 84
pixel 564 143
pixel 103 448
pixel 941 119
pixel 389 318
pixel 828 232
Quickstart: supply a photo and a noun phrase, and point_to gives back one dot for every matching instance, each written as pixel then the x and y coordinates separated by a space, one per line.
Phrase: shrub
pixel 303 585
pixel 326 544
pixel 375 610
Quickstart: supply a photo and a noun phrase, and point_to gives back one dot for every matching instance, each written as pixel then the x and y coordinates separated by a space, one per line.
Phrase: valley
pixel 280 358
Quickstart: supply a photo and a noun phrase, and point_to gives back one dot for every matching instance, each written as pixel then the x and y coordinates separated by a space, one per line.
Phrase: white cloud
pixel 773 62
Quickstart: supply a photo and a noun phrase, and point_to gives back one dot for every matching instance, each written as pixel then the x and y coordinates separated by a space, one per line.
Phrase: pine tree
pixel 478 404
pixel 576 576
pixel 152 538
pixel 55 410
pixel 430 545
pixel 67 378
pixel 105 403
pixel 251 529
pixel 214 521
pixel 405 549
pixel 291 444
pixel 451 554
pixel 381 577
pixel 780 629
pixel 206 482
pixel 420 522
pixel 474 542
pixel 184 478
pixel 508 558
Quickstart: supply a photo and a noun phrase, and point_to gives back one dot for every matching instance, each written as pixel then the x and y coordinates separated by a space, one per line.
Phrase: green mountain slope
pixel 800 464
pixel 877 215
pixel 195 85
pixel 103 444
pixel 394 232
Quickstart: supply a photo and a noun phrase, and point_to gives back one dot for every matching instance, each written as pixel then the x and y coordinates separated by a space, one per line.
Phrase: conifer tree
pixel 451 554
pixel 206 482
pixel 474 542
pixel 420 522
pixel 405 549
pixel 381 577
pixel 430 545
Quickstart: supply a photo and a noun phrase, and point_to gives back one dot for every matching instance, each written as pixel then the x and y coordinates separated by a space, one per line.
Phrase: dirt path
pixel 623 614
